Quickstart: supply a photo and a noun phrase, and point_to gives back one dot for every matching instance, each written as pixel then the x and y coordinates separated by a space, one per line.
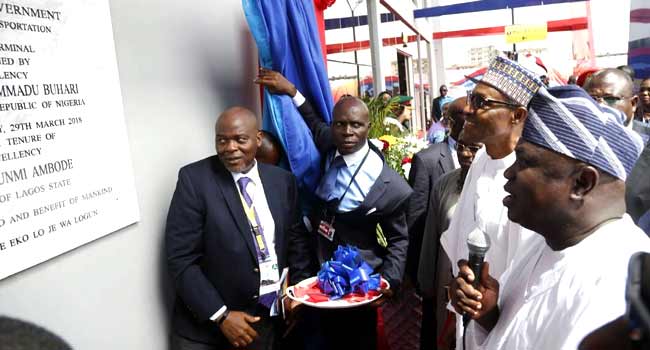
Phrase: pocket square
pixel 371 211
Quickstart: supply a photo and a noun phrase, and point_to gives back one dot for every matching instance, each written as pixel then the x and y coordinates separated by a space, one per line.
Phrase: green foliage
pixel 378 111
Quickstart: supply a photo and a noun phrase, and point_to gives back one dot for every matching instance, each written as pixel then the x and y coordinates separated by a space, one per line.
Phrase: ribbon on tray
pixel 346 276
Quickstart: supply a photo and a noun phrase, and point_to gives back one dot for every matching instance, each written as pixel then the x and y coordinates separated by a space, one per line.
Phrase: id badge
pixel 326 230
pixel 270 276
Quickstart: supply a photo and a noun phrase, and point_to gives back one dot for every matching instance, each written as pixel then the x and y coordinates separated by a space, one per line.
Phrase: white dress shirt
pixel 454 153
pixel 366 177
pixel 255 190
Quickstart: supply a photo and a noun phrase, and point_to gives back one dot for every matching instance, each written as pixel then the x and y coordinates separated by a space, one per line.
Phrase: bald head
pixel 237 113
pixel 613 76
pixel 614 88
pixel 351 104
pixel 237 139
pixel 350 125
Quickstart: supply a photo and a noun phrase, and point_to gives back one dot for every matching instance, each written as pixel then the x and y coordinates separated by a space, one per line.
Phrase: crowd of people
pixel 543 177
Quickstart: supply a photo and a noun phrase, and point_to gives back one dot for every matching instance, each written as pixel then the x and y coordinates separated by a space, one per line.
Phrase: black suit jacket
pixel 637 186
pixel 385 204
pixel 427 166
pixel 210 251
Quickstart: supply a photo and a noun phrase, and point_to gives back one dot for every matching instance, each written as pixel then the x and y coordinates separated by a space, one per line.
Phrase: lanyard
pixel 252 219
pixel 354 176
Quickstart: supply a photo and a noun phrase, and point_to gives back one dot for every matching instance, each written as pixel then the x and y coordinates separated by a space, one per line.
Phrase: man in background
pixel 434 268
pixel 270 150
pixel 613 88
pixel 427 166
pixel 641 123
pixel 436 108
pixel 637 191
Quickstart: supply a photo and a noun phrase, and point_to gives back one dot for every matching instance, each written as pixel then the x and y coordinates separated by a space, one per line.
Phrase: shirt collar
pixel 502 163
pixel 354 158
pixel 252 174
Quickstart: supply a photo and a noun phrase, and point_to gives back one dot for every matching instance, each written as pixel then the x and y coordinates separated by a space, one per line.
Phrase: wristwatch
pixel 223 317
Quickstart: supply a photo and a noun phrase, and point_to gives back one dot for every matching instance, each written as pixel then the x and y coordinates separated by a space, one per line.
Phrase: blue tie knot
pixel 338 162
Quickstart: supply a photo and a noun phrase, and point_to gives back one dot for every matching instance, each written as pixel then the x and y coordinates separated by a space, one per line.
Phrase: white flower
pixel 407 169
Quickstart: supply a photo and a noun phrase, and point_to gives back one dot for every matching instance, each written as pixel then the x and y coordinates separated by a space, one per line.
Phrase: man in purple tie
pixel 227 242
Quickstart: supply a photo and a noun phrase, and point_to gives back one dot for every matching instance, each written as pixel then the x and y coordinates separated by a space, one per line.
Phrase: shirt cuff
pixel 299 99
pixel 217 315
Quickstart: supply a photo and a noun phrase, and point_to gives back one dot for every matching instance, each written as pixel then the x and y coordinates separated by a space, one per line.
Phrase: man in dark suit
pixel 436 110
pixel 227 241
pixel 427 166
pixel 637 191
pixel 357 192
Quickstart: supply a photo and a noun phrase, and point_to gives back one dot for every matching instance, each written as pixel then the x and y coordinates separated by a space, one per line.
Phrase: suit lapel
pixel 233 202
pixel 446 162
pixel 376 191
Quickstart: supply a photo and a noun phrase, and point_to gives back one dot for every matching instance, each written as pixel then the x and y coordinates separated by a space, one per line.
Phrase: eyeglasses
pixel 610 100
pixel 477 101
pixel 644 89
pixel 462 147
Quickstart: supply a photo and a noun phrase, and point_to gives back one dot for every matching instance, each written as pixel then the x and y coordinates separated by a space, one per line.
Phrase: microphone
pixel 478 244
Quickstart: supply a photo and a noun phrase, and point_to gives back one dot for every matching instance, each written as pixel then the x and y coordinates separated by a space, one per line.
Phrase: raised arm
pixel 276 83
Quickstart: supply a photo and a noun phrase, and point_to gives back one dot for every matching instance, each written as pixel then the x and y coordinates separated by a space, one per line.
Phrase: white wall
pixel 181 63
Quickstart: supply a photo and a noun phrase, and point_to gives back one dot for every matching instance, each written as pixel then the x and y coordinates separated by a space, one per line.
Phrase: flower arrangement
pixel 399 151
pixel 398 148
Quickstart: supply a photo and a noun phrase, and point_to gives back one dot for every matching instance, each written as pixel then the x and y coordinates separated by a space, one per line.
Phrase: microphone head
pixel 478 242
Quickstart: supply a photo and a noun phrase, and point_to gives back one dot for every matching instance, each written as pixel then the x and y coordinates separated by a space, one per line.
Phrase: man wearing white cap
pixel 497 112
pixel 568 185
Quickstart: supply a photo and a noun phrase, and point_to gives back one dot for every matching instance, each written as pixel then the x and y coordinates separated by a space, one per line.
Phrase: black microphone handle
pixel 475 263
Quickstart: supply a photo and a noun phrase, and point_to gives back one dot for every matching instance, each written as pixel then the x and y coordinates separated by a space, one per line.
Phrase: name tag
pixel 270 277
pixel 326 230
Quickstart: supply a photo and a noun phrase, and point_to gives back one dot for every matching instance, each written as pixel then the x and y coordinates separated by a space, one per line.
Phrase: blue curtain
pixel 288 42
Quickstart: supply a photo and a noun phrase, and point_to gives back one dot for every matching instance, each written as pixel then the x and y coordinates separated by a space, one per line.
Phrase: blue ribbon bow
pixel 346 273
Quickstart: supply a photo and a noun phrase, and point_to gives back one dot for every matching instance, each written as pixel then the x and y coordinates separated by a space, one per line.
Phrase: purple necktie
pixel 268 298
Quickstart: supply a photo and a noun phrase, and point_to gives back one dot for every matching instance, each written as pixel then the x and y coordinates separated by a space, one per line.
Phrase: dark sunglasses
pixel 462 147
pixel 477 101
pixel 610 100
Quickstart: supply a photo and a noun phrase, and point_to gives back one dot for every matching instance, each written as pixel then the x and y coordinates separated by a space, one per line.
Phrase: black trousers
pixel 340 329
pixel 428 336
pixel 267 329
